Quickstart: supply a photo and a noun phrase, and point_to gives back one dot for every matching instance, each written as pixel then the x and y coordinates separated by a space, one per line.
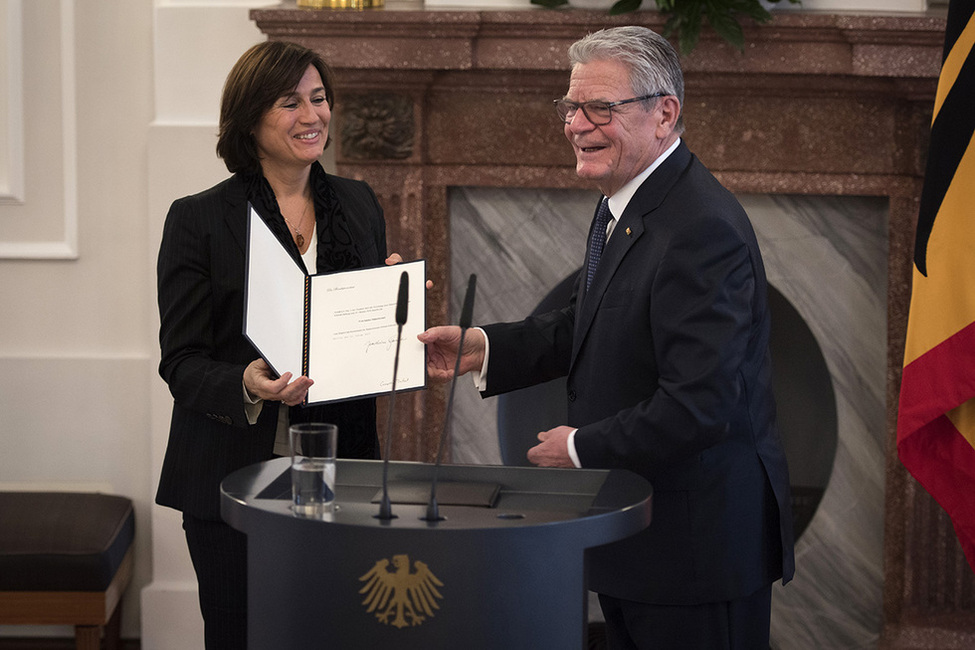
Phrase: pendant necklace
pixel 299 238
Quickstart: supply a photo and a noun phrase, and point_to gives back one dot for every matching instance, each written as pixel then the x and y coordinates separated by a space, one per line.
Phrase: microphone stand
pixel 466 314
pixel 402 303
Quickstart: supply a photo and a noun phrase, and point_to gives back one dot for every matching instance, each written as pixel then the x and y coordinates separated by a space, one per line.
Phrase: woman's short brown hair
pixel 262 75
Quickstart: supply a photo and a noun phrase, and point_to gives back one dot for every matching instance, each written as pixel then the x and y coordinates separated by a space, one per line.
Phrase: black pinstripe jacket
pixel 200 282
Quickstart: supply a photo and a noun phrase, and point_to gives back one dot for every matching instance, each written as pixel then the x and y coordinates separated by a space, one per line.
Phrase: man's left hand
pixel 553 449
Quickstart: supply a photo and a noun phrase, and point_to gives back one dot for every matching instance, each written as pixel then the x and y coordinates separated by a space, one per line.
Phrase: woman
pixel 229 408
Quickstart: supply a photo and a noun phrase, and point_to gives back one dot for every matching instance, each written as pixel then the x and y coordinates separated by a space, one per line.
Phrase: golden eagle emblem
pixel 398 597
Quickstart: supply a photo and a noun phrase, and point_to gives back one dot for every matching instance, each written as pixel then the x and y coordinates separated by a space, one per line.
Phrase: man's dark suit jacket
pixel 669 376
pixel 200 278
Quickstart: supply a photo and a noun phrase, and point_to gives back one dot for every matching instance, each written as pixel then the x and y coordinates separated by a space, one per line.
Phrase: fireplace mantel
pixel 818 104
pixel 413 38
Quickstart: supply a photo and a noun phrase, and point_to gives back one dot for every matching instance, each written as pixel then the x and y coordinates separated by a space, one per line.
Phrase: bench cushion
pixel 62 541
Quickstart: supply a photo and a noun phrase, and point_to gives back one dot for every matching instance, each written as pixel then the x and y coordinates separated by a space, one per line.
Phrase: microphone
pixel 402 305
pixel 466 315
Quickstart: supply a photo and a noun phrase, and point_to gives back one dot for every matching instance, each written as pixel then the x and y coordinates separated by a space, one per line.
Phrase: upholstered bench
pixel 66 559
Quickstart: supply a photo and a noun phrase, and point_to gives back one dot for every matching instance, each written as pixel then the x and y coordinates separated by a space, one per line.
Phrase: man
pixel 665 347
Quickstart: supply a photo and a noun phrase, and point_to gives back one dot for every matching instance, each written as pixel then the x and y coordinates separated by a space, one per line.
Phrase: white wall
pixel 74 352
pixel 108 112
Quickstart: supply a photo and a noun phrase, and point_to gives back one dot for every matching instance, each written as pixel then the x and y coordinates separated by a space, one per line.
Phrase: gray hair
pixel 653 63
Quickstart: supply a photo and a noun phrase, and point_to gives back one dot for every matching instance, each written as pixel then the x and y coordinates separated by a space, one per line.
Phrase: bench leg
pixel 88 637
pixel 113 629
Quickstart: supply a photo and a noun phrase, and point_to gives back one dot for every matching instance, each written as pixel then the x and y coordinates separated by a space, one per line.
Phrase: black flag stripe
pixel 951 134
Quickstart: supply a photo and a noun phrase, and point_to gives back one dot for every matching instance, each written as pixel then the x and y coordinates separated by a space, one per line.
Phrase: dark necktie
pixel 598 241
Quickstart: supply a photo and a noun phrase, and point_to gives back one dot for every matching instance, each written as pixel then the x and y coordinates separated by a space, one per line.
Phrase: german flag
pixel 936 418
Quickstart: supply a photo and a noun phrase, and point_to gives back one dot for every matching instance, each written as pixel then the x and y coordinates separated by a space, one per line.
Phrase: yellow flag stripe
pixel 953 63
pixel 944 302
pixel 963 418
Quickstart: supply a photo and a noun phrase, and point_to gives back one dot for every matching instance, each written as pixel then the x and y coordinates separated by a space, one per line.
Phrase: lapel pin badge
pixel 629 232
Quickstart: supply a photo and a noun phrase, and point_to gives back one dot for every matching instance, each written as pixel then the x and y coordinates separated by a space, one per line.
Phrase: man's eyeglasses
pixel 599 113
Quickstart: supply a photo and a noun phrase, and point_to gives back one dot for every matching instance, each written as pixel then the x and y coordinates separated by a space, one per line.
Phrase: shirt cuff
pixel 252 406
pixel 571 444
pixel 480 379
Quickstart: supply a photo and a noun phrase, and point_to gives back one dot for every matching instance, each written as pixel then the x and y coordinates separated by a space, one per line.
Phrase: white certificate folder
pixel 339 329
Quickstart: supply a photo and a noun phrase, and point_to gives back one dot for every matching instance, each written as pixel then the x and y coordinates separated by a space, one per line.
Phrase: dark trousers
pixel 740 624
pixel 219 555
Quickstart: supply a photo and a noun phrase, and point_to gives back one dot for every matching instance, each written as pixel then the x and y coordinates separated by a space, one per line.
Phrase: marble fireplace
pixel 820 128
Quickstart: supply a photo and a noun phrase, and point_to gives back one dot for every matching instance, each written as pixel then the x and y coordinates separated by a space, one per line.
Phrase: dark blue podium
pixel 504 569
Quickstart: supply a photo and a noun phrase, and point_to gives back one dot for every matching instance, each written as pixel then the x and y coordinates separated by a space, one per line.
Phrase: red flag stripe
pixel 934 384
pixel 943 462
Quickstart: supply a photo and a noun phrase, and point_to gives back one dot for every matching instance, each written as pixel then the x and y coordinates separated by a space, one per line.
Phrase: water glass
pixel 313 467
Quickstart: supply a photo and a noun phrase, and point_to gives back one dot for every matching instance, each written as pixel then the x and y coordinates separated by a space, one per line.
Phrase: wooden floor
pixel 65 643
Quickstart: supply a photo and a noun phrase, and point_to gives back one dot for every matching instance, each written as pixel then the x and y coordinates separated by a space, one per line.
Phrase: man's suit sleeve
pixel 529 352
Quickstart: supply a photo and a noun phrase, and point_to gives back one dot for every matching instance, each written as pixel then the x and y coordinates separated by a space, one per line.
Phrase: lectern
pixel 504 568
